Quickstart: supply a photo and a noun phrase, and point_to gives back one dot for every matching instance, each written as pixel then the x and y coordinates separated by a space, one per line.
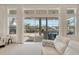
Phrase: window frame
pixel 75 11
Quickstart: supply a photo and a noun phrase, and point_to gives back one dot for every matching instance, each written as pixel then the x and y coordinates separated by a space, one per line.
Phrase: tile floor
pixel 30 48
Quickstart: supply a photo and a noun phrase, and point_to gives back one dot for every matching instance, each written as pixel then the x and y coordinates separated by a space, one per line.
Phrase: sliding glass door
pixel 37 29
pixel 32 30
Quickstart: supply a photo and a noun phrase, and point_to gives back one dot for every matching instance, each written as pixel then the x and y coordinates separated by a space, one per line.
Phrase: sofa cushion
pixel 49 51
pixel 61 44
pixel 48 43
pixel 73 48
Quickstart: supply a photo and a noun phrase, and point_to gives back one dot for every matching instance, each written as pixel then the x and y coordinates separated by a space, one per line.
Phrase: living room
pixel 39 27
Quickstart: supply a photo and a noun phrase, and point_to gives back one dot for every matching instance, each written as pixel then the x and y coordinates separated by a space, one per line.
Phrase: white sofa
pixel 2 42
pixel 60 46
pixel 72 48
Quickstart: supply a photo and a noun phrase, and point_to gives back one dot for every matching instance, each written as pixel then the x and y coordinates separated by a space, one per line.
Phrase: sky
pixel 43 22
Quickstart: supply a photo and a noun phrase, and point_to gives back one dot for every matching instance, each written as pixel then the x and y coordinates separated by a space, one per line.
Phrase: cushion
pixel 49 43
pixel 61 44
pixel 49 51
pixel 73 48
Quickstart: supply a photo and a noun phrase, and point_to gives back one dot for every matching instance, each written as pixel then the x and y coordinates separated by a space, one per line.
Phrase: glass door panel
pixel 44 28
pixel 38 34
pixel 29 29
pixel 53 28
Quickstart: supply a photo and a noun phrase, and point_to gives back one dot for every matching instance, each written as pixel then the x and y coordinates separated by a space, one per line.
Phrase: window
pixel 28 11
pixel 71 25
pixel 12 12
pixel 53 11
pixel 12 25
pixel 41 12
pixel 53 27
pixel 12 21
pixel 71 11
